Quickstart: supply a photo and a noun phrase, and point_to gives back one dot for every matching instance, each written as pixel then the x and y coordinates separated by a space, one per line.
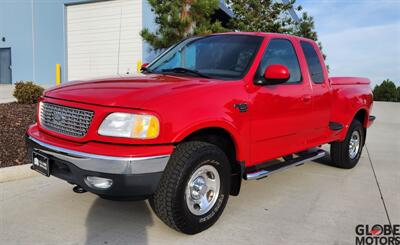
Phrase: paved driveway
pixel 311 204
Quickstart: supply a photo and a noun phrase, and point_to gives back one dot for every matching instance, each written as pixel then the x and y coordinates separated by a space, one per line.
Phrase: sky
pixel 360 37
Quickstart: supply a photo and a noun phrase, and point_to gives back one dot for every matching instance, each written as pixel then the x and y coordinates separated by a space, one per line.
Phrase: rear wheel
pixel 194 188
pixel 346 154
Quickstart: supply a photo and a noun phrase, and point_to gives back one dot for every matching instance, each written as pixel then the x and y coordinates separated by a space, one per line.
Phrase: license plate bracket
pixel 40 163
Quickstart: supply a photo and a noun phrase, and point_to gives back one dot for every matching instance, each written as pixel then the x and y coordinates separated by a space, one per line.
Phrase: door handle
pixel 306 98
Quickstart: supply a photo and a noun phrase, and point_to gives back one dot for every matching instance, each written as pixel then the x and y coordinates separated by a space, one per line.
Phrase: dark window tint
pixel 313 62
pixel 281 51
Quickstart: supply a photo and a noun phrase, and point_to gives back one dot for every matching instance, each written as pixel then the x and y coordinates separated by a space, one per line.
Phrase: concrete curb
pixel 16 173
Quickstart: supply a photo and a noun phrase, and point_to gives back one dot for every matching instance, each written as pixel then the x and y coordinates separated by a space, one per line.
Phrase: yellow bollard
pixel 139 66
pixel 58 74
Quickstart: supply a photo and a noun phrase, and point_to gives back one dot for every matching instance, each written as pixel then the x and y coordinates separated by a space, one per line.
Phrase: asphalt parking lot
pixel 311 204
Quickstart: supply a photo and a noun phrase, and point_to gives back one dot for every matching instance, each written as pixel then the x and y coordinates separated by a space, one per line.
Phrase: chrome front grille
pixel 65 120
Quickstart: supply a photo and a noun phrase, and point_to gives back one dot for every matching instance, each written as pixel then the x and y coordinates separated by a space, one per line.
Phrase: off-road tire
pixel 340 150
pixel 169 201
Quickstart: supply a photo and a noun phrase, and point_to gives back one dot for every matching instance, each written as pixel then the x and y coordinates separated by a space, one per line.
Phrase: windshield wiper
pixel 185 70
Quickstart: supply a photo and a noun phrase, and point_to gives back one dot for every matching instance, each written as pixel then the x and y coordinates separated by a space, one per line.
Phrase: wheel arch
pixel 223 127
pixel 228 143
pixel 362 116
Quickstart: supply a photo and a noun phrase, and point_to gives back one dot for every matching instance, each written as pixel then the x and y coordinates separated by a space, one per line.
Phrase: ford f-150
pixel 206 114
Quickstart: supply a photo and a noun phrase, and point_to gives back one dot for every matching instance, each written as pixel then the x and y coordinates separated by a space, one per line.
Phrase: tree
pixel 178 19
pixel 398 94
pixel 386 91
pixel 305 27
pixel 272 16
pixel 260 16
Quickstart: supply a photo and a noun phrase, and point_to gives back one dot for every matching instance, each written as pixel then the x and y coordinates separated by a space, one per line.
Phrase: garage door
pixel 103 38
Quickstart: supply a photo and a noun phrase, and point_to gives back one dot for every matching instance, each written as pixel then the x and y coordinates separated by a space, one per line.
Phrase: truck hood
pixel 128 92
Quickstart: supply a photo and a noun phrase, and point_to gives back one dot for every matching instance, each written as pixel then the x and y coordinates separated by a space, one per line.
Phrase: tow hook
pixel 78 189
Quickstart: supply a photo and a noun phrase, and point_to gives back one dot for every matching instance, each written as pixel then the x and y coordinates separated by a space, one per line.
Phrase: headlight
pixel 128 125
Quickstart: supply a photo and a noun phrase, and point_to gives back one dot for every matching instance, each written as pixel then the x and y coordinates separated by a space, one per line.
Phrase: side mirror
pixel 276 74
pixel 144 66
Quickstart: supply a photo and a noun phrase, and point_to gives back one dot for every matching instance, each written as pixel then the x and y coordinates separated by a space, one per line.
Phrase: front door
pixel 5 65
pixel 281 112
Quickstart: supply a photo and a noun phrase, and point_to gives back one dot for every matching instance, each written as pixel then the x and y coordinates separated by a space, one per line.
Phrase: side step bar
pixel 273 168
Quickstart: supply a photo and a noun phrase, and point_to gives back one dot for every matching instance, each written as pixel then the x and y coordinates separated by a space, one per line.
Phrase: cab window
pixel 313 62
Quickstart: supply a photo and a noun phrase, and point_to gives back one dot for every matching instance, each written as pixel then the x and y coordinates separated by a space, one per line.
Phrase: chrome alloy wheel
pixel 354 144
pixel 202 190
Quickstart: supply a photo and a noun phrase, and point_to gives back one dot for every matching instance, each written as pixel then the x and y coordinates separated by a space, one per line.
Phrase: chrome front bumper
pixel 102 163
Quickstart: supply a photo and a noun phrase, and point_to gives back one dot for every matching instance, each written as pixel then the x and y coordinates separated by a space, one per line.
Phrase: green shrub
pixel 27 92
pixel 386 91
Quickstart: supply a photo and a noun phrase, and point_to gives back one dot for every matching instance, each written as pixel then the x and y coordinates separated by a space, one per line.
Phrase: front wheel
pixel 194 188
pixel 347 153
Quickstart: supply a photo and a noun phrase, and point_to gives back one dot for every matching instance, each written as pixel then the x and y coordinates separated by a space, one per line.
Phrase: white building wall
pixel 103 38
pixel 148 21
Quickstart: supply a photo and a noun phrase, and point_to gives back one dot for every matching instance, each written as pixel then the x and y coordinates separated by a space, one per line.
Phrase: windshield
pixel 216 56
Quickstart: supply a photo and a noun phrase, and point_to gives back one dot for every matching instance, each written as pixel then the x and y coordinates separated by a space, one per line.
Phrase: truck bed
pixel 350 101
pixel 349 80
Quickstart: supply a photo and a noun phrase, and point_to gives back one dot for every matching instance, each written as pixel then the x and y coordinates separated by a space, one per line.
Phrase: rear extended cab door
pixel 316 73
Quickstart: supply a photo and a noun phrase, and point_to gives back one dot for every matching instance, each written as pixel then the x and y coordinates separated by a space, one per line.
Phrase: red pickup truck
pixel 206 114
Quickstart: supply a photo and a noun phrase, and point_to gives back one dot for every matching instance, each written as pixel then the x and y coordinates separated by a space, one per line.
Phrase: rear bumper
pixel 131 176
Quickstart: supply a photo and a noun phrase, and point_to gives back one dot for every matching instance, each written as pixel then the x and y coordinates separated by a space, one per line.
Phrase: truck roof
pixel 264 34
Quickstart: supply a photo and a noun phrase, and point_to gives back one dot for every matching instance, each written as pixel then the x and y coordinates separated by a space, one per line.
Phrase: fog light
pixel 98 182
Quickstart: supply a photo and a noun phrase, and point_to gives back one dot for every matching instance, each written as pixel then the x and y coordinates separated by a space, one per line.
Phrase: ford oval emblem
pixel 57 116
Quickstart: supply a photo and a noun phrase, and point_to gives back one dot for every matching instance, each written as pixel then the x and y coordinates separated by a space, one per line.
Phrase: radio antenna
pixel 119 39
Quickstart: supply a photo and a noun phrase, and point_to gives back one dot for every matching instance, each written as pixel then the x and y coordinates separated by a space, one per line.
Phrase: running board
pixel 273 168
